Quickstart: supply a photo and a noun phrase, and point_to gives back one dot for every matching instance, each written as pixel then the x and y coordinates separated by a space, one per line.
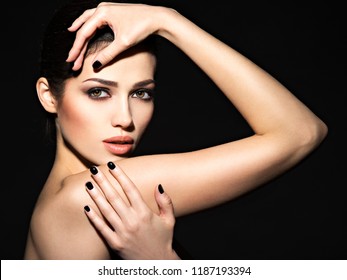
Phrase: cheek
pixel 74 120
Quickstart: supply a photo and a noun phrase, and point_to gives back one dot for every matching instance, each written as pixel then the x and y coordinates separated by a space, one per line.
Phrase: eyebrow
pixel 114 84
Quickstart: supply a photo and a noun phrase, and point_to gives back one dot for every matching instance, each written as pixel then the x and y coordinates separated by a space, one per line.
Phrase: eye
pixel 144 94
pixel 98 93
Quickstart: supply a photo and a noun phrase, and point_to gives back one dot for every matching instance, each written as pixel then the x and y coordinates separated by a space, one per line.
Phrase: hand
pixel 131 23
pixel 129 226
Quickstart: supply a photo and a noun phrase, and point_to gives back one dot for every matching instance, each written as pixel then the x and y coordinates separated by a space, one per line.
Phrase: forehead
pixel 133 65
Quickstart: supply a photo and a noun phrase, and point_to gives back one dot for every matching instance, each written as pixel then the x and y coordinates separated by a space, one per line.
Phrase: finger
pixel 106 55
pixel 111 194
pixel 81 19
pixel 166 208
pixel 130 190
pixel 108 234
pixel 84 34
pixel 79 60
pixel 105 208
pixel 79 45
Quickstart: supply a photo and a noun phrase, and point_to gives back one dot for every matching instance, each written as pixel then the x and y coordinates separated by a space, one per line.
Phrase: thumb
pixel 107 54
pixel 166 208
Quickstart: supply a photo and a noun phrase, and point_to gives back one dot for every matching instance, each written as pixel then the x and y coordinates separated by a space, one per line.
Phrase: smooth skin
pixel 285 132
pixel 136 225
pixel 124 107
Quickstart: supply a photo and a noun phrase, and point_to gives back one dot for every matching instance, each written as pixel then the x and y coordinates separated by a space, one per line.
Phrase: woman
pixel 101 100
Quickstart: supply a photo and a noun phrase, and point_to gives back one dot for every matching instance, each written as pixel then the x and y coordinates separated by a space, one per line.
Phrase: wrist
pixel 167 18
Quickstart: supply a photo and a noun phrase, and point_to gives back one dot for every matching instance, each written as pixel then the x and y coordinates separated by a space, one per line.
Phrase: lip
pixel 119 145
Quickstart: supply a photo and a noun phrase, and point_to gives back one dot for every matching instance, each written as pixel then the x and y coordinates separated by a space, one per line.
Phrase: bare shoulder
pixel 65 235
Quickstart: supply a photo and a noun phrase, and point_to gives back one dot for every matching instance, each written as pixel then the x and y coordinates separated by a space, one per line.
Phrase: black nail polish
pixel 97 64
pixel 87 208
pixel 160 188
pixel 111 165
pixel 93 170
pixel 89 185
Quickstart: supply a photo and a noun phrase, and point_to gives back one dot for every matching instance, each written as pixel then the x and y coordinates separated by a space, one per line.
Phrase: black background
pixel 300 215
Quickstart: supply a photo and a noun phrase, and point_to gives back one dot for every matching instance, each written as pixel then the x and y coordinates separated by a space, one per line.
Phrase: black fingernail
pixel 94 170
pixel 97 64
pixel 87 208
pixel 89 185
pixel 160 188
pixel 111 165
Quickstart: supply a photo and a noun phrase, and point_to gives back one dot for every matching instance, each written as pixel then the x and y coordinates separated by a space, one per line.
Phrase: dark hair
pixel 57 42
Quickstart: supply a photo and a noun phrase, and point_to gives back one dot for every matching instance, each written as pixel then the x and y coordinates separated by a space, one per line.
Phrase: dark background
pixel 300 215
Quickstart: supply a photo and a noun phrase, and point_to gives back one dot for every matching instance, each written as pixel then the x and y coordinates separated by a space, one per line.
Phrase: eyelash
pixel 149 92
pixel 102 91
pixel 98 91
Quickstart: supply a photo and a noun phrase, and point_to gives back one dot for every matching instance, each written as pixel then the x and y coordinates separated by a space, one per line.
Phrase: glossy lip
pixel 119 145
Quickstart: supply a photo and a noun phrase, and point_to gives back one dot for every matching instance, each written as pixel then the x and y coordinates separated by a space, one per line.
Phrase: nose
pixel 121 115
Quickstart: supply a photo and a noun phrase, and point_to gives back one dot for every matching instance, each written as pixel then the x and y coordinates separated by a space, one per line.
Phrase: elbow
pixel 312 134
pixel 322 131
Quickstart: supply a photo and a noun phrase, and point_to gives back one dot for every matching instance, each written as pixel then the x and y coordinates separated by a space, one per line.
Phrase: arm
pixel 117 220
pixel 285 130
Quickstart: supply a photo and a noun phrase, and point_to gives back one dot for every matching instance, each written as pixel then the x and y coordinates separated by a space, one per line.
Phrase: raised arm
pixel 285 130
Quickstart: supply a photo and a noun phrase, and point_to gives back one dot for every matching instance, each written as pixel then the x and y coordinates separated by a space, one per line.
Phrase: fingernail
pixel 87 208
pixel 89 185
pixel 160 188
pixel 111 165
pixel 97 64
pixel 93 170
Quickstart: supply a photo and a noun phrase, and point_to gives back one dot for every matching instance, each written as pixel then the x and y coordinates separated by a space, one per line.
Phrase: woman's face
pixel 103 114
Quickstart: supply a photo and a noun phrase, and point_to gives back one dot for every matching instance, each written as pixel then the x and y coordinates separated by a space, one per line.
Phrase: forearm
pixel 285 130
pixel 265 103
